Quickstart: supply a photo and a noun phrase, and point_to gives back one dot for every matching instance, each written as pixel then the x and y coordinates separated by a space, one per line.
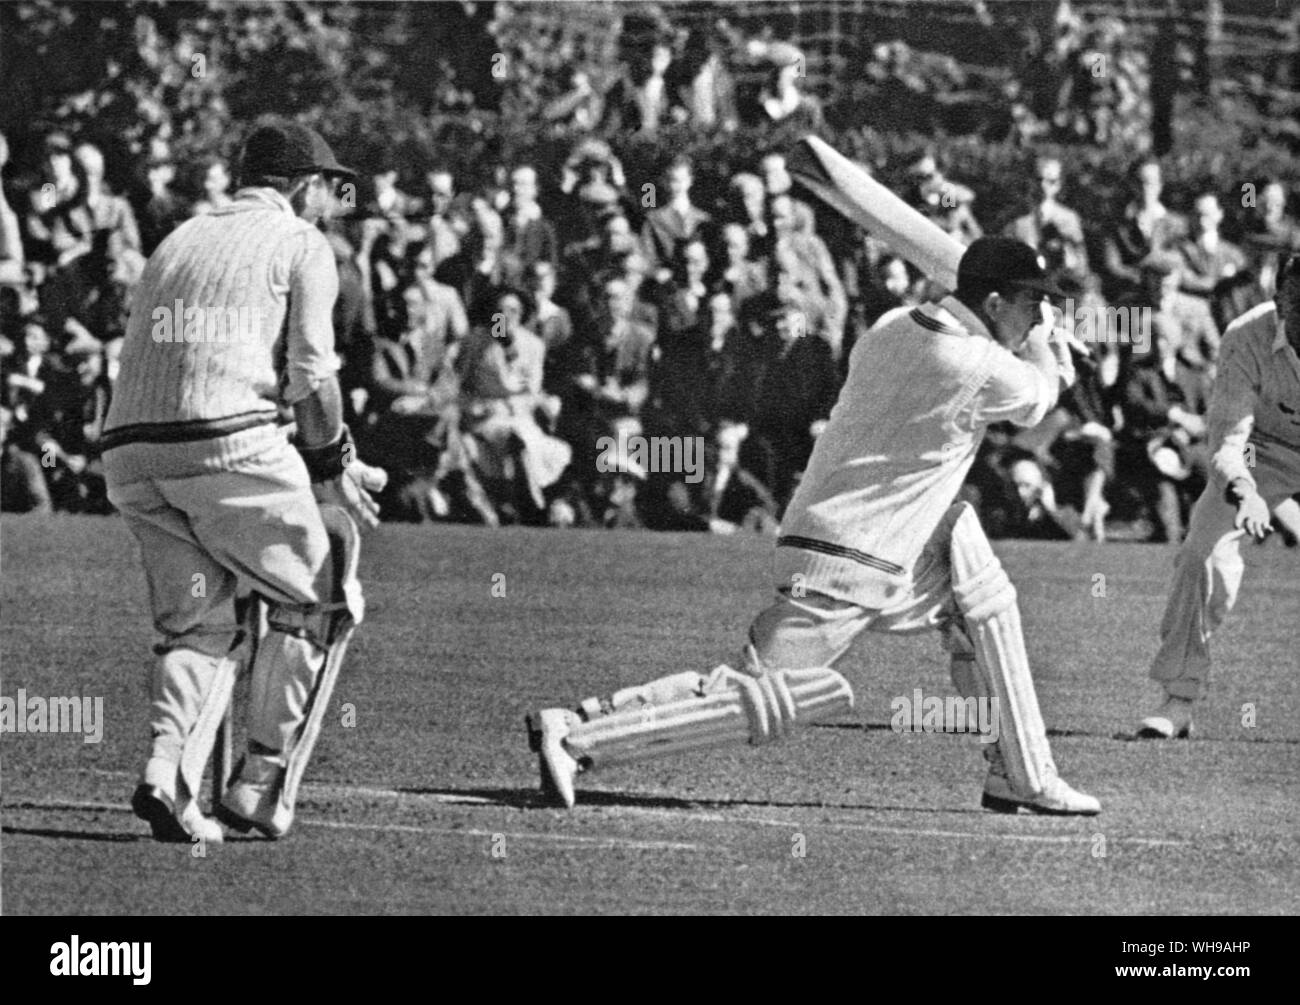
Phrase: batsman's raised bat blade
pixel 849 188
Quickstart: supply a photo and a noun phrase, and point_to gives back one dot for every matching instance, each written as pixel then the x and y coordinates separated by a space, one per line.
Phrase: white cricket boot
pixel 546 732
pixel 170 811
pixel 1057 798
pixel 1172 720
pixel 253 800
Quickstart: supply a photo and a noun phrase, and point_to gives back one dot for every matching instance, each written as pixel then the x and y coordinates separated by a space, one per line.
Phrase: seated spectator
pixel 816 258
pixel 893 286
pixel 162 210
pixel 1207 258
pixel 1050 220
pixel 749 205
pixel 415 398
pixel 12 259
pixel 528 236
pixel 779 100
pixel 1274 235
pixel 1184 321
pixel 390 202
pixel 446 228
pixel 42 396
pixel 777 394
pixel 946 202
pixel 549 320
pixel 1161 448
pixel 216 186
pixel 1146 227
pixel 741 276
pixel 676 222
pixel 501 400
pixel 602 377
pixel 1031 510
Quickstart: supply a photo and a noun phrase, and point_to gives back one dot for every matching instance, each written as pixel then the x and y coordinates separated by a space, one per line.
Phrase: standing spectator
pixel 529 237
pixel 676 222
pixel 779 100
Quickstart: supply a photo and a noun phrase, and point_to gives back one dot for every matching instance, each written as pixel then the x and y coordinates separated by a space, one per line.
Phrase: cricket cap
pixel 280 148
pixel 1005 262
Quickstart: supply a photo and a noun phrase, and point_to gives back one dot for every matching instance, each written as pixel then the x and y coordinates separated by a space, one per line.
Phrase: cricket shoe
pixel 546 732
pixel 253 800
pixel 171 817
pixel 1057 798
pixel 1172 720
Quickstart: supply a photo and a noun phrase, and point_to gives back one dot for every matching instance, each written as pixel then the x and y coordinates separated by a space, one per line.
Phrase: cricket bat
pixel 850 189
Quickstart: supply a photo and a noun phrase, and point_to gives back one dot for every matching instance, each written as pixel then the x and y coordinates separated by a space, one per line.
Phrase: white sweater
pixel 922 388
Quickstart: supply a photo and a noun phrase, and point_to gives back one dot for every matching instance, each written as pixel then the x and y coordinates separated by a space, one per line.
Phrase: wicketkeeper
pixel 232 321
pixel 872 541
pixel 1254 442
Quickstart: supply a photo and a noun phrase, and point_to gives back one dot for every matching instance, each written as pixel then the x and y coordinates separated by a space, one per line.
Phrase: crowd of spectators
pixel 508 345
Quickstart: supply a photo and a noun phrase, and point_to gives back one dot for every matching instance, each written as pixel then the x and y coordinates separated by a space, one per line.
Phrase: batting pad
pixel 203 736
pixel 987 600
pixel 726 707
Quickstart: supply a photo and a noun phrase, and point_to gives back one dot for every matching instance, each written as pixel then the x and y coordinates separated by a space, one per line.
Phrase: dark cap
pixel 1004 262
pixel 284 149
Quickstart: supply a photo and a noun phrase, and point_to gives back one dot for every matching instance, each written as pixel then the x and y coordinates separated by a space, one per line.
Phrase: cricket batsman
pixel 872 541
pixel 1254 442
pixel 232 321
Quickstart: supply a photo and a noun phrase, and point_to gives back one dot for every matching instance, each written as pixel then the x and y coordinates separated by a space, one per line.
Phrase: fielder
pixel 232 320
pixel 1254 442
pixel 873 542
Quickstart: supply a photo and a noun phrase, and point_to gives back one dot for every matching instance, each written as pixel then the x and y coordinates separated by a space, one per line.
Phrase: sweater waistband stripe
pixel 184 432
pixel 839 551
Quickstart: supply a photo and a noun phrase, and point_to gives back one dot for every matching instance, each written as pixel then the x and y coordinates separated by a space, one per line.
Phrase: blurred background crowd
pixel 624 253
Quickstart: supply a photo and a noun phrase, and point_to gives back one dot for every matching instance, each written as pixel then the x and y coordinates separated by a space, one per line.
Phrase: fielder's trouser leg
pixel 761 703
pixel 1207 576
